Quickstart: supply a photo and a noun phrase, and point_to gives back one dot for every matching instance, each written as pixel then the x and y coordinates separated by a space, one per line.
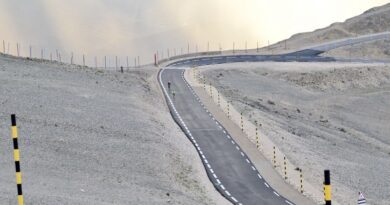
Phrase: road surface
pixel 309 54
pixel 227 165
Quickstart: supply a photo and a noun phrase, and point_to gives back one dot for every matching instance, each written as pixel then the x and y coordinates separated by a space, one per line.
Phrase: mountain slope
pixel 94 137
pixel 372 21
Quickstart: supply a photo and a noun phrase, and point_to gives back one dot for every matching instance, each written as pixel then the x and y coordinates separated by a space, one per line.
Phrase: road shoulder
pixel 262 164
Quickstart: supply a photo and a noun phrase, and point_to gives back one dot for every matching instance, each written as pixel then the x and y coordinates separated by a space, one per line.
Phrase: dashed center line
pixel 198 147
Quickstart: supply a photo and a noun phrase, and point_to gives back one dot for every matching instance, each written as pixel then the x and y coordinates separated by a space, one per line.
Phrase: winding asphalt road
pixel 309 54
pixel 227 165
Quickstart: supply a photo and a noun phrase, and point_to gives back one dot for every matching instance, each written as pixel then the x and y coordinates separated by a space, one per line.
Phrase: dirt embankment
pixel 374 20
pixel 322 116
pixel 94 137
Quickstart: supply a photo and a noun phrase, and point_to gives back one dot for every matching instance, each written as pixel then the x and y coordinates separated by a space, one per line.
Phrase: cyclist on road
pixel 173 94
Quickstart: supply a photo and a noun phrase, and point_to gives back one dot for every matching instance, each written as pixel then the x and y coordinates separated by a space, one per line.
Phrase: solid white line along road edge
pixel 247 160
pixel 189 133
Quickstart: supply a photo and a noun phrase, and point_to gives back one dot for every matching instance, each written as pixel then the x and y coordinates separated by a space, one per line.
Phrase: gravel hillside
pixel 94 137
pixel 372 21
pixel 322 116
pixel 376 50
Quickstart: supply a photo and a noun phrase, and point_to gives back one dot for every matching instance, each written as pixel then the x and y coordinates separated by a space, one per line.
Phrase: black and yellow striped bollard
pixel 228 110
pixel 327 188
pixel 257 136
pixel 274 157
pixel 193 73
pixel 301 177
pixel 14 134
pixel 285 167
pixel 242 123
pixel 211 92
pixel 219 100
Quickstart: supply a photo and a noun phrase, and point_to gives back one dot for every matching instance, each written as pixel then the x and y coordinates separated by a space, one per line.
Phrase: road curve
pixel 226 164
pixel 308 54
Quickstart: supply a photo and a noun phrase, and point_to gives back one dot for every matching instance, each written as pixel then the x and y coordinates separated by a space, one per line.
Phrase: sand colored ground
pixel 94 137
pixel 321 116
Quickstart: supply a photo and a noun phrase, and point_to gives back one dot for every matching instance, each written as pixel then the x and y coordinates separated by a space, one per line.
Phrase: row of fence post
pixel 201 79
pixel 157 56
pixel 59 57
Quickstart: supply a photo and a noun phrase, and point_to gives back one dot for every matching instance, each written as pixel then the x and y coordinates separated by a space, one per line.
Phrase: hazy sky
pixel 140 27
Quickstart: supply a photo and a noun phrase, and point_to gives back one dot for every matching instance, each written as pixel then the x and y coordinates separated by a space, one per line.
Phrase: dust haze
pixel 139 28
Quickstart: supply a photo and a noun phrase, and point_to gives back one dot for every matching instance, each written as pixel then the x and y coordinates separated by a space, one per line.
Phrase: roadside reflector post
pixel 327 188
pixel 211 91
pixel 257 136
pixel 301 178
pixel 242 123
pixel 14 134
pixel 274 157
pixel 219 102
pixel 228 110
pixel 285 167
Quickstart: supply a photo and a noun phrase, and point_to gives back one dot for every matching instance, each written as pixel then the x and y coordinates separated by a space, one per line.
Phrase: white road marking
pixel 234 199
pixel 247 160
pixel 197 146
pixel 289 202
